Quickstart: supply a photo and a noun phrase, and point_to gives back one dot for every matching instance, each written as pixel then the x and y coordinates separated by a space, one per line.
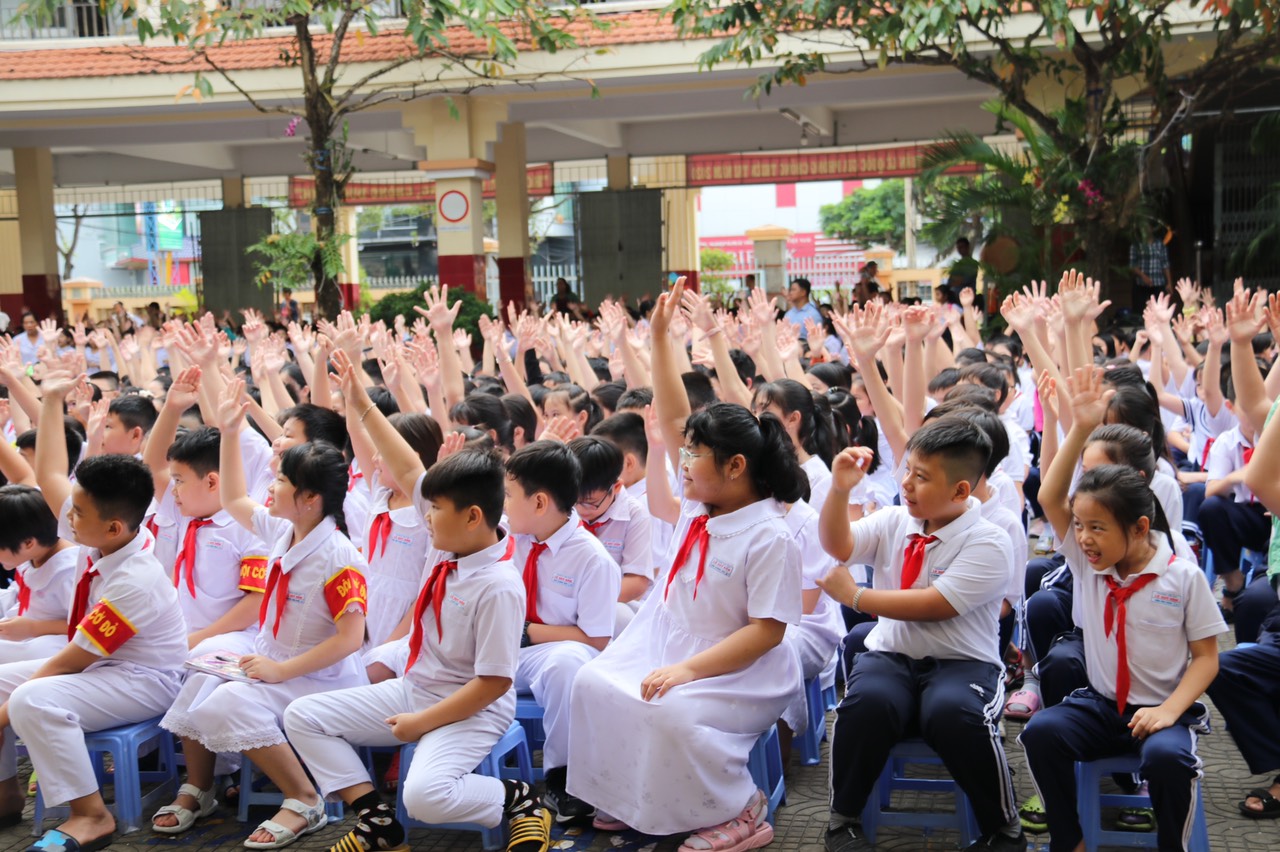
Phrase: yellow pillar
pixel 459 159
pixel 349 281
pixel 232 191
pixel 618 171
pixel 681 215
pixel 37 230
pixel 513 214
pixel 10 260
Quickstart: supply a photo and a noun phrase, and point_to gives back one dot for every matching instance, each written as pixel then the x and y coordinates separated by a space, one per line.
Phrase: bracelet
pixel 524 637
pixel 857 596
pixel 366 412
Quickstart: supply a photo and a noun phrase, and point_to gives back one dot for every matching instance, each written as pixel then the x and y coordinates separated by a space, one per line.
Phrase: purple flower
pixel 293 125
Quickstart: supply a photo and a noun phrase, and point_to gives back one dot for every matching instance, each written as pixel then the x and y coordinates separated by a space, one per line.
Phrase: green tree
pixel 1100 51
pixel 329 92
pixel 469 314
pixel 869 217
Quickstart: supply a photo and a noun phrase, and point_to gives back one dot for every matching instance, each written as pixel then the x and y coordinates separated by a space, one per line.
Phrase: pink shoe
pixel 604 822
pixel 1023 704
pixel 748 830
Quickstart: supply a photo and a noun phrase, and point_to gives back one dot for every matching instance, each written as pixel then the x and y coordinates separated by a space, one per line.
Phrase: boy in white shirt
pixel 931 668
pixel 33 624
pixel 455 698
pixel 571 585
pixel 128 638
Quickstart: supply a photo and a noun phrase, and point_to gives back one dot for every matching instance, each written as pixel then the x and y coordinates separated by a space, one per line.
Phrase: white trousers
pixel 439 785
pixel 547 671
pixel 52 714
pixel 39 648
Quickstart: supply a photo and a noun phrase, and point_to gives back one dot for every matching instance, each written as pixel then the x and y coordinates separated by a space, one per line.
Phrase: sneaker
pixel 1031 814
pixel 568 808
pixel 848 838
pixel 999 842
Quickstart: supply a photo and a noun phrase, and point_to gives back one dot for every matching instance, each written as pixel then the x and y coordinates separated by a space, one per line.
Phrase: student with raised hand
pixel 710 632
pixel 127 640
pixel 310 625
pixel 932 668
pixel 1138 603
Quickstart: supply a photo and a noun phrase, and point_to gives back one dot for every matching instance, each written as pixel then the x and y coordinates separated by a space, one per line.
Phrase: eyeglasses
pixel 596 504
pixel 687 456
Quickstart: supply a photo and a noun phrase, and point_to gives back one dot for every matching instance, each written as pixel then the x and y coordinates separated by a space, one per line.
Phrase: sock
pixel 376 827
pixel 1013 829
pixel 557 777
pixel 519 801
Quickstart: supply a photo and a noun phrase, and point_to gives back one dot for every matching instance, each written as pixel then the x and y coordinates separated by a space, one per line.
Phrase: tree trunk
pixel 328 294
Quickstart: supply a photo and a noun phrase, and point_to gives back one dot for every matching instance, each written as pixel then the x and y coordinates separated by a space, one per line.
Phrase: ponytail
pixel 777 472
pixel 320 468
pixel 729 430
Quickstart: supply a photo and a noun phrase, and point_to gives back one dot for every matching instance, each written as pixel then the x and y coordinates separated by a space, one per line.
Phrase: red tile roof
pixel 129 60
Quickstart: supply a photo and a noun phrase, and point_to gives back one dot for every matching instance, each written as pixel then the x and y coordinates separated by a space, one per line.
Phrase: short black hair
pixel 134 412
pixel 699 390
pixel 111 378
pixel 625 430
pixel 74 437
pixel 803 284
pixel 962 447
pixel 944 381
pixel 469 478
pixel 487 413
pixel 197 449
pixel 120 487
pixel 608 393
pixel 522 416
pixel 990 376
pixel 26 515
pixel 601 463
pixel 547 466
pixel 635 399
pixel 318 424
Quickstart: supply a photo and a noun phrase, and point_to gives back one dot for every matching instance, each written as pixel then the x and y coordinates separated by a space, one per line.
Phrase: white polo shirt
pixel 578 581
pixel 659 530
pixel 51 585
pixel 1162 618
pixel 626 532
pixel 230 563
pixel 1205 426
pixel 969 565
pixel 1006 493
pixel 1226 456
pixel 819 481
pixel 802 521
pixel 1017 533
pixel 255 453
pixel 481 615
pixel 132 614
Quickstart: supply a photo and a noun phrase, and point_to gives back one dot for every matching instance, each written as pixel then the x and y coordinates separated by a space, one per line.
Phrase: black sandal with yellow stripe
pixel 376 830
pixel 528 820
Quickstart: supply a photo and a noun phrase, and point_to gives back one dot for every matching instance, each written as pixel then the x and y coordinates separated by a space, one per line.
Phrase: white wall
pixel 729 211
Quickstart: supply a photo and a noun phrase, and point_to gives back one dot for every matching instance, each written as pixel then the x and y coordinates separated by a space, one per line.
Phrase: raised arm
pixel 1212 375
pixel 663 504
pixel 848 468
pixel 15 467
pixel 235 494
pixel 669 396
pixel 732 388
pixel 865 333
pixel 441 318
pixel 918 321
pixel 1089 402
pixel 1245 319
pixel 51 441
pixel 398 457
pixel 183 393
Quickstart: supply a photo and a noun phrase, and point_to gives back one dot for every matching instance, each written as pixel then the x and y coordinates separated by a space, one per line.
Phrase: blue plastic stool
pixel 1251 561
pixel 494 766
pixel 876 813
pixel 125 744
pixel 830 698
pixel 810 742
pixel 1091 803
pixel 529 715
pixel 252 793
pixel 765 765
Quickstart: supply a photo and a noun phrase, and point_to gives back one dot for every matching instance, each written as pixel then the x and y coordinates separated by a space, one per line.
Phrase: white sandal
pixel 187 818
pixel 282 836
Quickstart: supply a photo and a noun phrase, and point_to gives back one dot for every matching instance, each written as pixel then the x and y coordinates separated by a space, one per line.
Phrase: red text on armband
pixel 344 589
pixel 253 574
pixel 106 628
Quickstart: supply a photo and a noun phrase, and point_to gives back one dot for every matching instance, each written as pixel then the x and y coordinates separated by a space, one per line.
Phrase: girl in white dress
pixel 701 672
pixel 311 625
pixel 397 540
pixel 807 419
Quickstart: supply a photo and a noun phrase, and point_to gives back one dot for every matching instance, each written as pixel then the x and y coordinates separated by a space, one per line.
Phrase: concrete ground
pixel 799 823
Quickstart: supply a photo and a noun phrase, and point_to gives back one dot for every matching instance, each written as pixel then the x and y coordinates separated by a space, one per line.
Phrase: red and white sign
pixel 454 207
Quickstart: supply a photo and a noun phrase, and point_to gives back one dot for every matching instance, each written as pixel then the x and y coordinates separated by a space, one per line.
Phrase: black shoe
pixel 568 808
pixel 999 842
pixel 847 838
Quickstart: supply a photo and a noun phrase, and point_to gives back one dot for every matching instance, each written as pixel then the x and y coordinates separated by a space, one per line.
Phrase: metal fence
pixel 73 19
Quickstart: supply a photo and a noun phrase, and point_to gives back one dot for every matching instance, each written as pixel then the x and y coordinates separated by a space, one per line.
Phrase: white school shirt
pixel 396 570
pixel 1012 526
pixel 625 531
pixel 1019 458
pixel 659 530
pixel 132 614
pixel 52 586
pixel 317 568
pixel 230 563
pixel 1226 456
pixel 1205 427
pixel 255 454
pixel 802 521
pixel 481 615
pixel 164 521
pixel 1022 410
pixel 969 565
pixel 819 481
pixel 752 571
pixel 1005 492
pixel 1162 619
pixel 1164 484
pixel 578 581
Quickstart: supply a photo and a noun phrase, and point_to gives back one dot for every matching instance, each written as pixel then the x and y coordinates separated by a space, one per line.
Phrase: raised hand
pixel 49 333
pixel 562 429
pixel 453 443
pixel 1047 390
pixel 698 309
pixel 1089 398
pixel 438 313
pixel 1019 312
pixel 232 406
pixel 849 467
pixel 666 309
pixel 1161 308
pixel 185 390
pixel 966 298
pixel 1189 292
pixel 787 339
pixel 918 322
pixel 58 383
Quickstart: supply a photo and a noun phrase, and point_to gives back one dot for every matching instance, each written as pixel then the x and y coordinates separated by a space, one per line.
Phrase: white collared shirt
pixel 52 586
pixel 1226 456
pixel 1162 619
pixel 625 532
pixel 482 614
pixel 230 563
pixel 321 557
pixel 1205 426
pixel 969 566
pixel 1017 533
pixel 578 581
pixel 752 571
pixel 132 597
pixel 802 521
pixel 819 480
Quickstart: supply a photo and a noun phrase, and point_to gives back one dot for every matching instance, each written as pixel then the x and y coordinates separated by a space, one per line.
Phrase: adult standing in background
pixel 963 273
pixel 801 307
pixel 1149 262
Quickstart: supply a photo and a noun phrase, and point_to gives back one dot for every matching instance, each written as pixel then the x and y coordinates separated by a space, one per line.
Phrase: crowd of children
pixel 294 543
